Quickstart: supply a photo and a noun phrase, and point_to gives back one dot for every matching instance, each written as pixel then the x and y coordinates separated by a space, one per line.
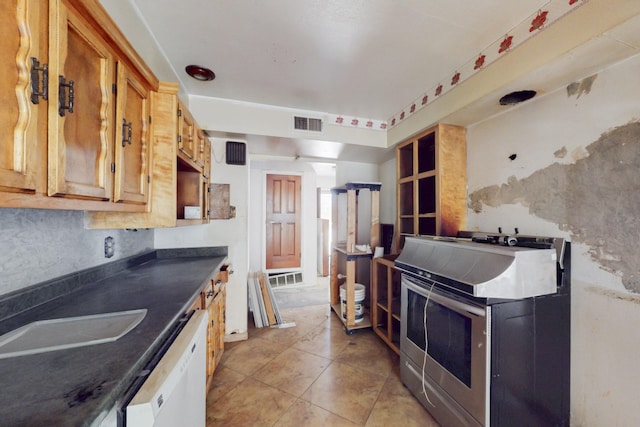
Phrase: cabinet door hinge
pixel 179 112
pixel 148 179
pixel 179 138
pixel 114 89
pixel 149 119
pixel 113 168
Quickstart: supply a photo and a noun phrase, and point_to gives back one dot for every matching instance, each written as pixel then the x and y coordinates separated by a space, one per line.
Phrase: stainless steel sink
pixel 58 334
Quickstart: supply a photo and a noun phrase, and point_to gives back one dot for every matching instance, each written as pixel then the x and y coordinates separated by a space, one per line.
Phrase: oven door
pixel 455 333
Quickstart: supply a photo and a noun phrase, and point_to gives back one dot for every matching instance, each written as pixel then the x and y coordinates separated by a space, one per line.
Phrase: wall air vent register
pixel 309 124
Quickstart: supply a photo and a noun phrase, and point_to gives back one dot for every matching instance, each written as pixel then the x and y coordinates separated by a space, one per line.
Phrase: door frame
pixel 263 223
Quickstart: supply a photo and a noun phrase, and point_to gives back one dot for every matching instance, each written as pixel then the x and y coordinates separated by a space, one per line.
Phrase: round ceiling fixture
pixel 517 97
pixel 200 73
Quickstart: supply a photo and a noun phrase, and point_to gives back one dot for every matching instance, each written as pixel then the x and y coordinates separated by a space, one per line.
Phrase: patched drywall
pixel 596 199
pixel 581 87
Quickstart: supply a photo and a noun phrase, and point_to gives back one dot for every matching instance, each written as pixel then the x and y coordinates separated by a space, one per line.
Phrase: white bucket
pixel 360 293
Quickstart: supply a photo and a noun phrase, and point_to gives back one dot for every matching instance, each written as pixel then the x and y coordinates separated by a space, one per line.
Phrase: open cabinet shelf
pixel 346 257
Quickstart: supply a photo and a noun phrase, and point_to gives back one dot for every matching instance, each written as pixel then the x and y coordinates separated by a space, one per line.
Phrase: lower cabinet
pixel 212 299
pixel 385 301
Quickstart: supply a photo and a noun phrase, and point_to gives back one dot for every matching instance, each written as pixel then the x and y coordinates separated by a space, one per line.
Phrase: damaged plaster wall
pixel 596 199
pixel 567 163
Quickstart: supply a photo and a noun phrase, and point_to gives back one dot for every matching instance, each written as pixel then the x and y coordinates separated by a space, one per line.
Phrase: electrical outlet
pixel 109 247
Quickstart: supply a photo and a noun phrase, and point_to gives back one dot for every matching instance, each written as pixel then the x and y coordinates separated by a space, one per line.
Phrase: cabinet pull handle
pixel 127 130
pixel 62 96
pixel 36 93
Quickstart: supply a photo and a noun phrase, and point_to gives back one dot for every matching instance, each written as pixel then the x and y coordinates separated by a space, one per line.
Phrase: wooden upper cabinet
pixel 206 168
pixel 431 183
pixel 72 89
pixel 23 30
pixel 132 139
pixel 80 109
pixel 186 133
pixel 199 147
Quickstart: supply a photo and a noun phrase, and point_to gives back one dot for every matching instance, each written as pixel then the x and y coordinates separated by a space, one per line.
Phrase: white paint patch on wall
pixel 605 337
pixel 604 357
pixel 387 174
pixel 232 233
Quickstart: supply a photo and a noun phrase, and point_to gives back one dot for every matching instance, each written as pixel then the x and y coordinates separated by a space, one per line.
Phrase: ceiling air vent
pixel 307 123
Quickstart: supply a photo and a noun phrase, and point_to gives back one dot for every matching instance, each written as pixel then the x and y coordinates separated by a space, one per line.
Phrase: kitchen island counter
pixel 79 386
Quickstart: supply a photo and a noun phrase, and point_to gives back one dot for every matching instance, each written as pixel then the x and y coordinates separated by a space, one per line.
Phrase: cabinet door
pixel 23 30
pixel 206 168
pixel 199 146
pixel 132 140
pixel 186 137
pixel 81 108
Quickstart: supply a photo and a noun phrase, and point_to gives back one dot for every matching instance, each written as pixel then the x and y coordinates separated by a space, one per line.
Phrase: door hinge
pixel 149 119
pixel 113 168
pixel 148 179
pixel 179 138
pixel 179 112
pixel 114 89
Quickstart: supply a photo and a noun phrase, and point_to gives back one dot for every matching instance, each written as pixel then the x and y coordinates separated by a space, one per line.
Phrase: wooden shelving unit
pixel 344 254
pixel 385 300
pixel 431 179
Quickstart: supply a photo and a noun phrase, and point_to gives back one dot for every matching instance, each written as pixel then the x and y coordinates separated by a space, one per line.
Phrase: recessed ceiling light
pixel 517 97
pixel 200 73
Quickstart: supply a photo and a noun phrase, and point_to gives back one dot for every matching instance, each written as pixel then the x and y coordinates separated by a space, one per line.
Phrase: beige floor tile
pixel 366 350
pixel 350 379
pixel 304 414
pixel 292 371
pixel 346 391
pixel 396 406
pixel 325 341
pixel 252 355
pixel 250 403
pixel 224 380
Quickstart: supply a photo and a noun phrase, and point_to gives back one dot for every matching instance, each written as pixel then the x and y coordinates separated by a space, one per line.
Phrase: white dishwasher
pixel 174 393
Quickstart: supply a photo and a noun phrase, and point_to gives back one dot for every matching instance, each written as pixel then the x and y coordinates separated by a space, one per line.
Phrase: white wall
pixel 259 170
pixel 543 191
pixel 387 174
pixel 232 233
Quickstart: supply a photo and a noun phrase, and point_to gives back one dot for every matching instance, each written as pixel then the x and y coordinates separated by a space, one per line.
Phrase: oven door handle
pixel 452 304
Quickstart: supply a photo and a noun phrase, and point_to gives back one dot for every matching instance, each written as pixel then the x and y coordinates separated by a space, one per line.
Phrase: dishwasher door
pixel 174 394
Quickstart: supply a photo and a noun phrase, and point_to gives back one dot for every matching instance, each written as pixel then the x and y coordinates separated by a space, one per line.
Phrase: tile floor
pixel 313 374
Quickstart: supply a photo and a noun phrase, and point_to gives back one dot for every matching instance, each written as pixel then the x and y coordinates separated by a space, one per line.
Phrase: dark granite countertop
pixel 78 386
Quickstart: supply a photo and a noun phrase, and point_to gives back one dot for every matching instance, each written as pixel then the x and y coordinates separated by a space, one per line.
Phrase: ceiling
pixel 362 58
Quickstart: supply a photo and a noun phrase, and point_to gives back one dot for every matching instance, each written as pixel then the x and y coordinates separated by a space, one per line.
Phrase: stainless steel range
pixel 485 328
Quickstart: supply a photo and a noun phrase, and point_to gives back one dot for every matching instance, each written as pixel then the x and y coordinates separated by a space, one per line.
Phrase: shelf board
pixel 342 248
pixel 365 323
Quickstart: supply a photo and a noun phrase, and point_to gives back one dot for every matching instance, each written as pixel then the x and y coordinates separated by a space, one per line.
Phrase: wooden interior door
pixel 283 221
